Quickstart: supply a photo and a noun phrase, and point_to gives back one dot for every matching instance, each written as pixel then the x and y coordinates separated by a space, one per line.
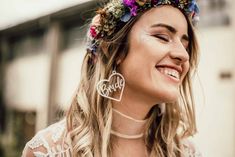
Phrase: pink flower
pixel 94 24
pixel 93 31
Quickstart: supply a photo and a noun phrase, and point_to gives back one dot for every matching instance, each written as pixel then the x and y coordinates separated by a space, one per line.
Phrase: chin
pixel 169 97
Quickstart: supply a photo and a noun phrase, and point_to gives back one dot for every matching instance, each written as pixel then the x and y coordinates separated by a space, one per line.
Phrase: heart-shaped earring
pixel 107 87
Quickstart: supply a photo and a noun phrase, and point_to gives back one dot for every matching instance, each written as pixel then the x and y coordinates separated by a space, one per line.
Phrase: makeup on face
pixel 167 33
pixel 158 54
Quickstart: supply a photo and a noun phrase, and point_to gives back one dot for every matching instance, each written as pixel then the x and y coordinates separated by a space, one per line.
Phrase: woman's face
pixel 157 60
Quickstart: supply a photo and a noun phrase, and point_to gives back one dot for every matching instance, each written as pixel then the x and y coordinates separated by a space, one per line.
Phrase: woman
pixel 134 98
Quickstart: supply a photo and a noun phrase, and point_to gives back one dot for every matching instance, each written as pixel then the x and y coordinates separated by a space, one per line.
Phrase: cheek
pixel 136 66
pixel 150 48
pixel 141 52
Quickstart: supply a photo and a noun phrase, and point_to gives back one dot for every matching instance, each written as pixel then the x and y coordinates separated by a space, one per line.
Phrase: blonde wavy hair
pixel 89 118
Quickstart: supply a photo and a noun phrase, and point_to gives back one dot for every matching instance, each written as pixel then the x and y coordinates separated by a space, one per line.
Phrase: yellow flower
pixel 141 2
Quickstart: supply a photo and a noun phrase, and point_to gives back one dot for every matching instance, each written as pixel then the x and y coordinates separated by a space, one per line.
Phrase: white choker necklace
pixel 139 123
pixel 128 117
pixel 118 134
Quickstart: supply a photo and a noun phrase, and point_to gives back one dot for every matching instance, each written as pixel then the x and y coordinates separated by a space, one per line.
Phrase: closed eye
pixel 162 37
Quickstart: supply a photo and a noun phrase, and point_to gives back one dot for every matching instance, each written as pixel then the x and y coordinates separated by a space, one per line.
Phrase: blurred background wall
pixel 41 49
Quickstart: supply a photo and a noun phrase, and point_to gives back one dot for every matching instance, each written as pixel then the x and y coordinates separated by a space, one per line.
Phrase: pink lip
pixel 177 68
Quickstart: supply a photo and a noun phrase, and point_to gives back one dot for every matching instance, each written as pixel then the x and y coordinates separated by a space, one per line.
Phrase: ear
pixel 121 57
pixel 118 61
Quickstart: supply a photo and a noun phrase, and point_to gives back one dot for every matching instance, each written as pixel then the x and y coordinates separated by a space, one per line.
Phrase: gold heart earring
pixel 115 83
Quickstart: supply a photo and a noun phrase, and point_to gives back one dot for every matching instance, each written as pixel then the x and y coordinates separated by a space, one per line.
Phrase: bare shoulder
pixel 190 149
pixel 51 141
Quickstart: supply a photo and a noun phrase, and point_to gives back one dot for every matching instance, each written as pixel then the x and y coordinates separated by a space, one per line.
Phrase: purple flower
pixel 129 3
pixel 134 10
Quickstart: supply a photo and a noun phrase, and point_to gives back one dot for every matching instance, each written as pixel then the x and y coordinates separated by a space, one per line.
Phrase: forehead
pixel 164 14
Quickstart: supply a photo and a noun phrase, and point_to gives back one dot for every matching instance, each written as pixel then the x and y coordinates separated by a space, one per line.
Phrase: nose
pixel 179 53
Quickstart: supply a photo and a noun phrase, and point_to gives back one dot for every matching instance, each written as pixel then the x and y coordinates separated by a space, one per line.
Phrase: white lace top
pixel 51 142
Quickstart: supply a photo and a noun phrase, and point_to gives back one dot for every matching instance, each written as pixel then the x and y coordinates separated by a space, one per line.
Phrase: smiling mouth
pixel 169 72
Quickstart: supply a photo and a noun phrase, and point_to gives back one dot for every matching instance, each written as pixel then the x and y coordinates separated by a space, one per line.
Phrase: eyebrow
pixel 171 29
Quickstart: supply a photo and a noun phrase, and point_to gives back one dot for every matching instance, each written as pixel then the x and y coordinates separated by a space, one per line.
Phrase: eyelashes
pixel 166 38
pixel 163 37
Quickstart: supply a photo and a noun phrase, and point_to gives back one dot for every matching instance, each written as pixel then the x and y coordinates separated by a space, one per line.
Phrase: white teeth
pixel 170 72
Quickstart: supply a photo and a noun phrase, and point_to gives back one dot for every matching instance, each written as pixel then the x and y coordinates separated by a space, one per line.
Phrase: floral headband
pixel 105 23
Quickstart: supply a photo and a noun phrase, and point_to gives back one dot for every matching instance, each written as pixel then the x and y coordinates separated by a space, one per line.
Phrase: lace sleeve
pixel 49 142
pixel 36 147
pixel 190 149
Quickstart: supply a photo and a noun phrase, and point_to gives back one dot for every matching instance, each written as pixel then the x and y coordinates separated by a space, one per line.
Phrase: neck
pixel 134 104
pixel 127 127
pixel 129 116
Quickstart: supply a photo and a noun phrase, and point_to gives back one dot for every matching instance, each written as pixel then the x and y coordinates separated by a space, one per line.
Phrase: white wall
pixel 215 97
pixel 26 86
pixel 13 12
pixel 70 63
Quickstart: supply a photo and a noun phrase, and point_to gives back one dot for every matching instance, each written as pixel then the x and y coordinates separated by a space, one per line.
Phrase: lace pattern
pixel 190 149
pixel 51 142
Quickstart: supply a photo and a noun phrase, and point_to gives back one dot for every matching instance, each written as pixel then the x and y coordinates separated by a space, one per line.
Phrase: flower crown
pixel 105 23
